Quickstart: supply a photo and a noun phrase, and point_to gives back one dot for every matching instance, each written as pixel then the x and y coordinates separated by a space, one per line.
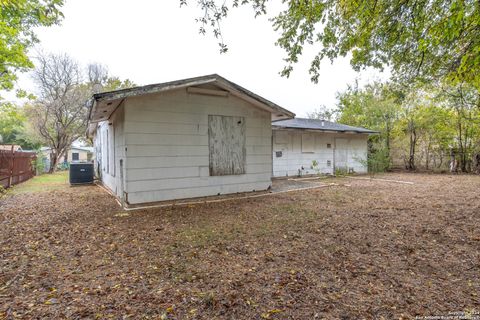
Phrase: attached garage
pixel 188 138
pixel 312 146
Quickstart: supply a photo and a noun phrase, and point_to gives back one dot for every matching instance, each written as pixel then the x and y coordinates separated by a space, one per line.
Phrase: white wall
pixel 289 142
pixel 167 146
pixel 109 142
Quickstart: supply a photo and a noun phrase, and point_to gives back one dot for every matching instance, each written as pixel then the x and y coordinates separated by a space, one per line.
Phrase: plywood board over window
pixel 308 143
pixel 226 142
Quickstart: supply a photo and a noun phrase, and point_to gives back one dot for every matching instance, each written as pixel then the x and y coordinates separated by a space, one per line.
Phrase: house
pixel 81 154
pixel 10 147
pixel 72 154
pixel 189 138
pixel 311 146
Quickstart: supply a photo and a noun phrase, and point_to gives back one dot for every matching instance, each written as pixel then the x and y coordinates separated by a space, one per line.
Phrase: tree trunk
pixel 427 155
pixel 453 162
pixel 387 138
pixel 476 163
pixel 413 142
pixel 55 158
pixel 53 162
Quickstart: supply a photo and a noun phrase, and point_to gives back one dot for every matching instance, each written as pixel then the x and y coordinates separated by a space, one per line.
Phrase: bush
pixel 315 166
pixel 378 160
pixel 341 171
pixel 39 163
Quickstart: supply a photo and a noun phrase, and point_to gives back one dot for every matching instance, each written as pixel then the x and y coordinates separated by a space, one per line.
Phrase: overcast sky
pixel 152 41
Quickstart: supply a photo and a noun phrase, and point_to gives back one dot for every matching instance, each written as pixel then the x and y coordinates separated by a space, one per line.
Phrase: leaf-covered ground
pixel 363 249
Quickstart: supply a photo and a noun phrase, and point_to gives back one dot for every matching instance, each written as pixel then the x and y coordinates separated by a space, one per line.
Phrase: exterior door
pixel 341 154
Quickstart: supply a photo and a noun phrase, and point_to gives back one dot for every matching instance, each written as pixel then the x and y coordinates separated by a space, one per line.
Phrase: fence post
pixel 12 166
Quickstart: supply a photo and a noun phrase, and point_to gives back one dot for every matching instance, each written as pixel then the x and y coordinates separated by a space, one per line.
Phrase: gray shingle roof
pixel 317 124
pixel 136 91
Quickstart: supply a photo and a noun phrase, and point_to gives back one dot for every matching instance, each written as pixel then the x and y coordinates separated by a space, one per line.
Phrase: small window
pixel 329 163
pixel 75 156
pixel 329 145
pixel 308 143
pixel 278 154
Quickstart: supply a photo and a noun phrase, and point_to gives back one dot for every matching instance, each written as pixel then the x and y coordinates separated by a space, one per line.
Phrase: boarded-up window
pixel 226 142
pixel 308 143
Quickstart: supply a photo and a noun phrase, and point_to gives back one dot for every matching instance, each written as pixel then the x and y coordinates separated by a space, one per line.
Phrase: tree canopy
pixel 18 18
pixel 13 128
pixel 426 127
pixel 420 39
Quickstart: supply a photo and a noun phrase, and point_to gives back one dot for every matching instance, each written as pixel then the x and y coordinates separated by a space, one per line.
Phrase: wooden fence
pixel 16 167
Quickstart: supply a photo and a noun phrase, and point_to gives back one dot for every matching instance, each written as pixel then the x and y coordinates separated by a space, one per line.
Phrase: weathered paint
pixel 295 150
pixel 109 143
pixel 164 142
pixel 226 143
pixel 103 104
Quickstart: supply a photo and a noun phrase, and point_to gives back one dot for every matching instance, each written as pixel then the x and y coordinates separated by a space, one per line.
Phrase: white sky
pixel 152 41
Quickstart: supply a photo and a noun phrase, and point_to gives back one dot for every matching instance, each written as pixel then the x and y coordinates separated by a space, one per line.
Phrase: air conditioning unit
pixel 81 173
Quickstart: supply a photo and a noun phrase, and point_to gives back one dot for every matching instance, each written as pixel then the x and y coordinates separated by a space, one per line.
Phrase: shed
pixel 188 138
pixel 312 146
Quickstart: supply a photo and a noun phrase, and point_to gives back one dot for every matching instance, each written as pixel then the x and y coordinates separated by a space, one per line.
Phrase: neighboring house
pixel 72 154
pixel 189 138
pixel 297 143
pixel 81 154
pixel 8 147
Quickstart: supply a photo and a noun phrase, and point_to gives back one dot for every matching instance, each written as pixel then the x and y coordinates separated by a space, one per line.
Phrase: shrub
pixel 39 163
pixel 378 160
pixel 341 171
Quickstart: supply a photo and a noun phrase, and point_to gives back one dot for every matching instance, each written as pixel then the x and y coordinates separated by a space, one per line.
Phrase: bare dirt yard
pixel 360 249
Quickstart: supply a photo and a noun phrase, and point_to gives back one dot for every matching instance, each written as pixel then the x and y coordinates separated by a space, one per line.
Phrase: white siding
pixel 167 146
pixel 357 150
pixel 300 148
pixel 109 151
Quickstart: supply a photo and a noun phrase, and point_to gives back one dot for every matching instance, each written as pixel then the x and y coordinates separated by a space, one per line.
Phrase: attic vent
pixel 207 92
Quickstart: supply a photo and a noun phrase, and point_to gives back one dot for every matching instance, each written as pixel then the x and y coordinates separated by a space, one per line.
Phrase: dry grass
pixel 372 250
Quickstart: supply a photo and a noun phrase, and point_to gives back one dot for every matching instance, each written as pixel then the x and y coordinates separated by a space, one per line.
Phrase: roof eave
pixel 234 88
pixel 274 126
